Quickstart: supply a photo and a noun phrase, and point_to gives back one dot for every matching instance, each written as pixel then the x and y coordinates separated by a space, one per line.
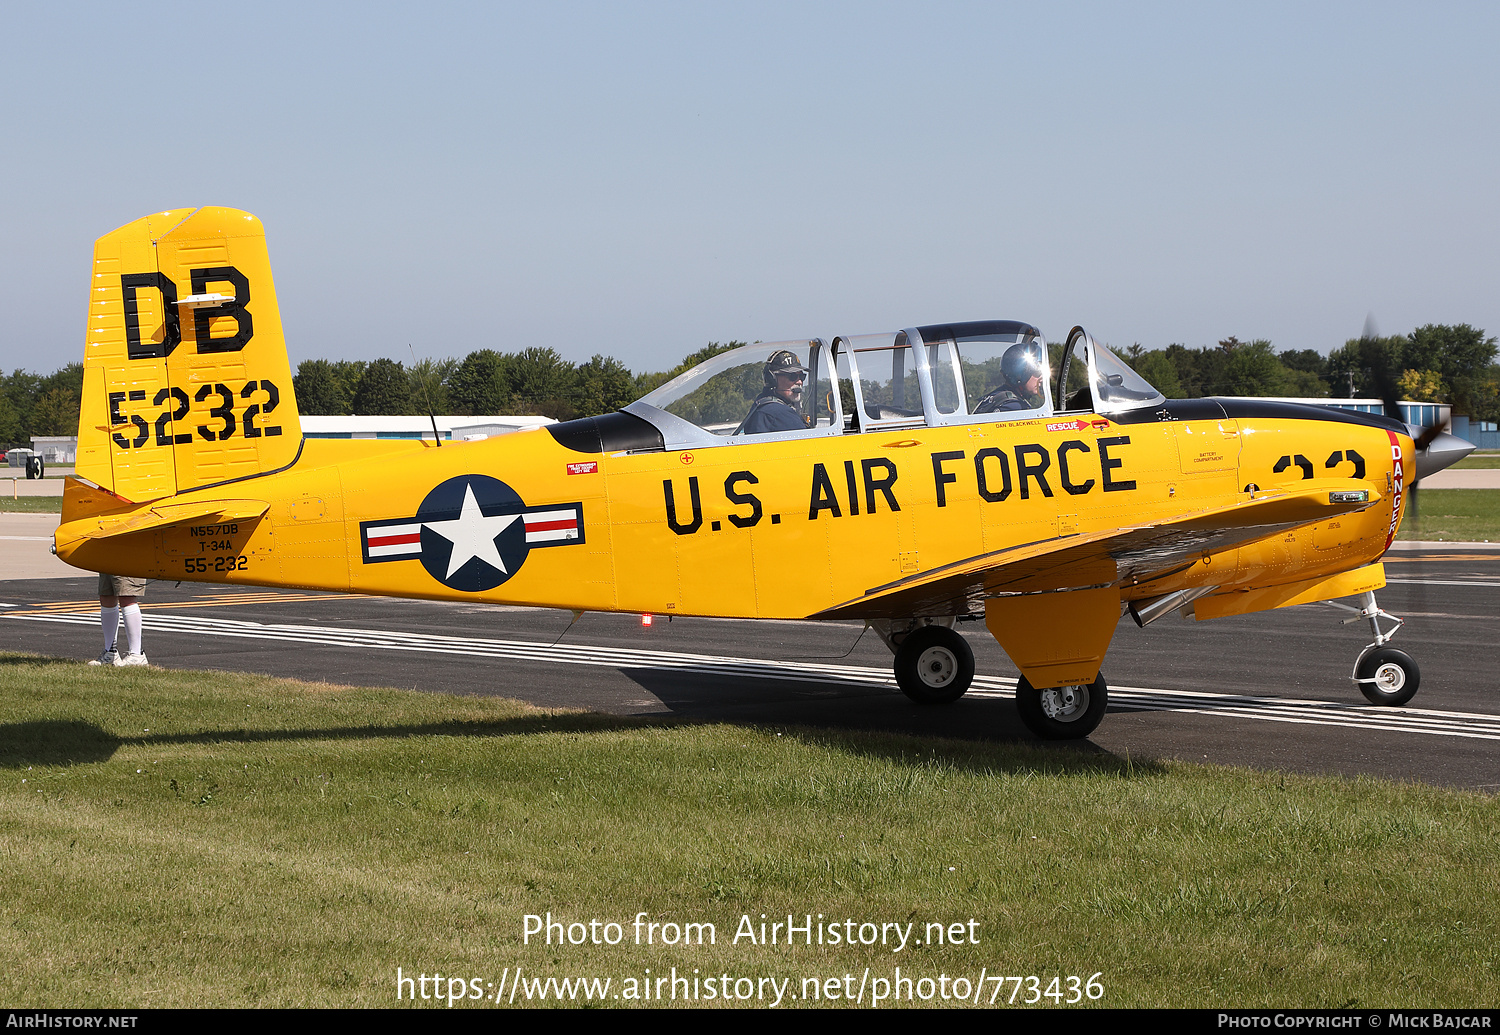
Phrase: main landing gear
pixel 1383 674
pixel 934 665
pixel 1062 712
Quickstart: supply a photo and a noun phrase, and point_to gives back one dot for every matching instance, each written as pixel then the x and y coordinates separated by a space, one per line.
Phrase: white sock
pixel 133 629
pixel 109 621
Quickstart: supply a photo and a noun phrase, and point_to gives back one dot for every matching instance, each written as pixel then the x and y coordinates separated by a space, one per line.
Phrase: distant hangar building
pixel 60 450
pixel 449 428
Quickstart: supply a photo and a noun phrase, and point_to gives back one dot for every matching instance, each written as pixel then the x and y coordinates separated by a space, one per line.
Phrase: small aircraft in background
pixel 911 479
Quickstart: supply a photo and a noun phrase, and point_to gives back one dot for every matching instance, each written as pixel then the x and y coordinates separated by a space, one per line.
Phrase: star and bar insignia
pixel 471 533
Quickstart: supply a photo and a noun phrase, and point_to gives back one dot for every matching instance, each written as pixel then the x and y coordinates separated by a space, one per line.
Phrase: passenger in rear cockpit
pixel 779 405
pixel 1020 385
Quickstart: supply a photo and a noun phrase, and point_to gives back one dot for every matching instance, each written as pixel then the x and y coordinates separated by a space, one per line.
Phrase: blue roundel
pixel 473 533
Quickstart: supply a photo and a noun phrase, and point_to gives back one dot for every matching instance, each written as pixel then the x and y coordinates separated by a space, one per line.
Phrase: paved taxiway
pixel 1268 690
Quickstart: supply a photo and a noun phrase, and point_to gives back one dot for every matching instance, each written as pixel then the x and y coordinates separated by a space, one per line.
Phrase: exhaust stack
pixel 1147 611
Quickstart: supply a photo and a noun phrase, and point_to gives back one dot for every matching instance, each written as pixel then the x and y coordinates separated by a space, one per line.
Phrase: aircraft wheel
pixel 934 665
pixel 1062 712
pixel 1387 676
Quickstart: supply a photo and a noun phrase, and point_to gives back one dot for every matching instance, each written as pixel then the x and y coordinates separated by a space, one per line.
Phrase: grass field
pixel 1478 462
pixel 1454 515
pixel 31 505
pixel 202 839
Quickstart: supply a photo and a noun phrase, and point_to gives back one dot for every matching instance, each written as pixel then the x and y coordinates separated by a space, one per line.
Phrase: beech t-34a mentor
pixel 910 479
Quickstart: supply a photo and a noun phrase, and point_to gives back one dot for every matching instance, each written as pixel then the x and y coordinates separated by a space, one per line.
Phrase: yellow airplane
pixel 910 479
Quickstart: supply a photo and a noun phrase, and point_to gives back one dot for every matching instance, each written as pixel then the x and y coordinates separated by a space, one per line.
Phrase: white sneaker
pixel 109 657
pixel 129 660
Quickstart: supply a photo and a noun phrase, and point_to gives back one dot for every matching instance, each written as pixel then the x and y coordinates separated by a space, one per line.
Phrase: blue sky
pixel 639 179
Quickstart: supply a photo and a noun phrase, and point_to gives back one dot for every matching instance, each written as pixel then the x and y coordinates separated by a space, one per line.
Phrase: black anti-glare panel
pixel 608 433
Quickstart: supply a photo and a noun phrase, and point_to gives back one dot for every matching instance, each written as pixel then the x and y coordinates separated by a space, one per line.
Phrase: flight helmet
pixel 1021 363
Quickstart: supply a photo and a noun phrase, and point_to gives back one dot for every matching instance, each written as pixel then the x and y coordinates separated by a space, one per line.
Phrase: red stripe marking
pixel 550 526
pixel 396 540
pixel 1398 486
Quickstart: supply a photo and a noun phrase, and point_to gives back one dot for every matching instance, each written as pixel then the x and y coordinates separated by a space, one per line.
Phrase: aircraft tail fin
pixel 186 380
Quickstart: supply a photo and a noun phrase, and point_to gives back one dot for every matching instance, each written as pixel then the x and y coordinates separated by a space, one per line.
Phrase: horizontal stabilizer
pixel 208 512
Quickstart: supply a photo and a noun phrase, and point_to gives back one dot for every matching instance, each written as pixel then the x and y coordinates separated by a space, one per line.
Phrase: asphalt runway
pixel 1269 690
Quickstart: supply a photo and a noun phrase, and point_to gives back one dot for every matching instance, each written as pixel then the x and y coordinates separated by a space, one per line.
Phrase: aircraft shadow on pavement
pixel 64 742
pixel 59 742
pixel 823 708
pixel 70 742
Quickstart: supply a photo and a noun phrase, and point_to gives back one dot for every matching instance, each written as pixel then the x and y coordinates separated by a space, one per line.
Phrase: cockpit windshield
pixel 1117 386
pixel 1090 376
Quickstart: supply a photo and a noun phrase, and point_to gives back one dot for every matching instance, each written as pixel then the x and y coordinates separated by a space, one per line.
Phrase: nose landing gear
pixel 1383 674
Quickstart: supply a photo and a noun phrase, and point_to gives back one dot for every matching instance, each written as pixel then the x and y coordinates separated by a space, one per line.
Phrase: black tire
pixel 1076 710
pixel 1387 676
pixel 934 665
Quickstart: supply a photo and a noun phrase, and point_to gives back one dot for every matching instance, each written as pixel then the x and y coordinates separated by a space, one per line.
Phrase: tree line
pixel 1435 363
pixel 37 405
pixel 532 381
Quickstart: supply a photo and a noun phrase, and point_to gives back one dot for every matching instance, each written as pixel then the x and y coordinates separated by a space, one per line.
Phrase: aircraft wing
pixel 1131 554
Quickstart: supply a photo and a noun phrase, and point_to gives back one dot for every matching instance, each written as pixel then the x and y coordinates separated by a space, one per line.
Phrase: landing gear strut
pixel 1383 674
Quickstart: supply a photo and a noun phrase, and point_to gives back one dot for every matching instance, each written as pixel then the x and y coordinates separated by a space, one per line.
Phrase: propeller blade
pixel 1383 378
pixel 1430 435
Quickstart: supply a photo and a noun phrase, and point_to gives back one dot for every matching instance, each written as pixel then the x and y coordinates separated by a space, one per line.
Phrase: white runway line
pixel 1491 584
pixel 1467 725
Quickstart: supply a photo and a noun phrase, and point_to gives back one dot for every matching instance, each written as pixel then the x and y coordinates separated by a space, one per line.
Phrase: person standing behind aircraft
pixel 779 405
pixel 1020 385
pixel 119 597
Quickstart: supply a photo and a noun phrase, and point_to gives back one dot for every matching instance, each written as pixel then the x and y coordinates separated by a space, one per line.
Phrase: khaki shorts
pixel 120 586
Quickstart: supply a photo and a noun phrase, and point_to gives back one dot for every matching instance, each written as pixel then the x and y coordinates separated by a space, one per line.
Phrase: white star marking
pixel 472 534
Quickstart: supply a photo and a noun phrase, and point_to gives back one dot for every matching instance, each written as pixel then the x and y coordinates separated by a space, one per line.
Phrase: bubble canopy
pixel 933 375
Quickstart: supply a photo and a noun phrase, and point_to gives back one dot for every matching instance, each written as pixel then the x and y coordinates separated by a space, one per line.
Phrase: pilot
pixel 779 405
pixel 1020 385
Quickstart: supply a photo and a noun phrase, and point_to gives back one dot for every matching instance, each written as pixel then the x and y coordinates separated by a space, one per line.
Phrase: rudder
pixel 186 382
